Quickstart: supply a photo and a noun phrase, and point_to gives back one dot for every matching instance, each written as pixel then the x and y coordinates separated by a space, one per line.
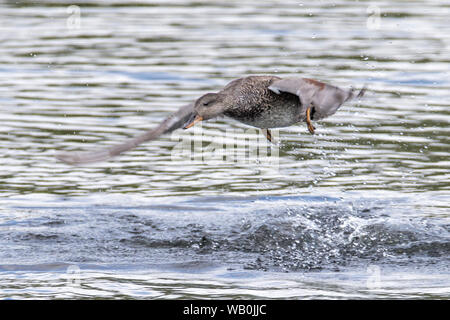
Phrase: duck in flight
pixel 263 102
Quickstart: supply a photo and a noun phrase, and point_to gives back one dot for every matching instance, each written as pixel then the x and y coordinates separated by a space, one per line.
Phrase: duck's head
pixel 206 107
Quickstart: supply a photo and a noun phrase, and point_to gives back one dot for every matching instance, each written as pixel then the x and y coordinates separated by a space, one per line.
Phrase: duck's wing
pixel 324 98
pixel 304 90
pixel 173 122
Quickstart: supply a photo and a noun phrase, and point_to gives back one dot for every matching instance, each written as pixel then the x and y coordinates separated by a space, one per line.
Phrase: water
pixel 359 210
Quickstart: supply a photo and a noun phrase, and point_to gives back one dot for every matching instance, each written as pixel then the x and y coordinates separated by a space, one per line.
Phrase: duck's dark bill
pixel 192 120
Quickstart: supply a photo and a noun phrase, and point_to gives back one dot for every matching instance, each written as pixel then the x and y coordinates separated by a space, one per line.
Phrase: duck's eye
pixel 206 103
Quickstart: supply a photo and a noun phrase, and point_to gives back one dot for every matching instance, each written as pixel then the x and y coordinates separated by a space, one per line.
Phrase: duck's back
pixel 252 103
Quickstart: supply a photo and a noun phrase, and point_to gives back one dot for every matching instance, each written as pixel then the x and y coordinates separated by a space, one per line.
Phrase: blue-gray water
pixel 359 210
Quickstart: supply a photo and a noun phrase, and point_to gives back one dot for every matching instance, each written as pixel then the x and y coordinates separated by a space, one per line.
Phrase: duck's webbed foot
pixel 311 128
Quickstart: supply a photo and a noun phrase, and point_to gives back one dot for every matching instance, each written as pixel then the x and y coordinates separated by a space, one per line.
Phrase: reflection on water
pixel 220 284
pixel 304 247
pixel 72 82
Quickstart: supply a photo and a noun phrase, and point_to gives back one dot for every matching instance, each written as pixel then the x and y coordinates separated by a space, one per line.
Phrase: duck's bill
pixel 192 121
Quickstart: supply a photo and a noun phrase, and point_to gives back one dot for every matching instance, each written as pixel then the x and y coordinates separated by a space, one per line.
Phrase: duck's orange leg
pixel 268 134
pixel 308 121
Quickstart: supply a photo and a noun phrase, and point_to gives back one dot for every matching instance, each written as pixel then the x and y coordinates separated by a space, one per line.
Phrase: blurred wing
pixel 303 89
pixel 173 122
pixel 325 98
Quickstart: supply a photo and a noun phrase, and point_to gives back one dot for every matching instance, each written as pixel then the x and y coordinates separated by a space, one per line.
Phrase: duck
pixel 261 101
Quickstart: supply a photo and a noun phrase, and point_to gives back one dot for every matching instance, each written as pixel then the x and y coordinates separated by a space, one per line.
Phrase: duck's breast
pixel 268 111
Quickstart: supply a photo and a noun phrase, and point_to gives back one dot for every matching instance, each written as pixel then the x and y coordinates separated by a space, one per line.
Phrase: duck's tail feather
pixel 351 93
pixel 361 92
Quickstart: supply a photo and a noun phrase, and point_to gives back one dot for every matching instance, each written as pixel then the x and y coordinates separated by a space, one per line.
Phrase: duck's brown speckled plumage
pixel 250 101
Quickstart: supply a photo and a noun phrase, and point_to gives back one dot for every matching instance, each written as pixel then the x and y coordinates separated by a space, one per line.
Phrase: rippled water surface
pixel 358 210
